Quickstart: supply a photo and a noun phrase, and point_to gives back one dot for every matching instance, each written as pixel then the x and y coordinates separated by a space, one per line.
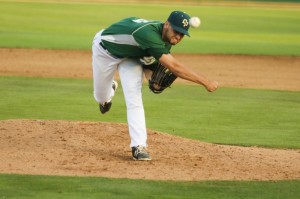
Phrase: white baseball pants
pixel 131 75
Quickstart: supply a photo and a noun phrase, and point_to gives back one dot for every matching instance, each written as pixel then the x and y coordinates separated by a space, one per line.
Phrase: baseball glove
pixel 161 78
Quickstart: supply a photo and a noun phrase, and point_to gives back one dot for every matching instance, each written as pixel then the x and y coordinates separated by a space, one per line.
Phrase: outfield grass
pixel 26 186
pixel 225 30
pixel 229 116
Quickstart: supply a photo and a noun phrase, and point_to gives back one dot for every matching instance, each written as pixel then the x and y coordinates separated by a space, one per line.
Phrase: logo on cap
pixel 180 22
pixel 185 22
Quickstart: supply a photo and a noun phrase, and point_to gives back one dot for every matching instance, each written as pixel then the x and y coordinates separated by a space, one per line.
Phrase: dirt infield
pixel 263 72
pixel 101 149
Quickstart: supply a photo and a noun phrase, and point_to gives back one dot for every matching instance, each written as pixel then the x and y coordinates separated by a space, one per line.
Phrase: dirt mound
pixel 102 149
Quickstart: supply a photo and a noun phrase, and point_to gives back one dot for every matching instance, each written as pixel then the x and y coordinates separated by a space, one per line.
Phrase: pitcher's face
pixel 170 35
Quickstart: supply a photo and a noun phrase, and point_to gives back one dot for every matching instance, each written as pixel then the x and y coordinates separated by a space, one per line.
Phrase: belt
pixel 101 44
pixel 114 56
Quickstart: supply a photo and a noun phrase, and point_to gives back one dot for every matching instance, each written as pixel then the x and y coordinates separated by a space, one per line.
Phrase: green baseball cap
pixel 180 22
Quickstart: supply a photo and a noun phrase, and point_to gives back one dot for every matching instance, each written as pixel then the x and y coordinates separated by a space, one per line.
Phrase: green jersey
pixel 135 38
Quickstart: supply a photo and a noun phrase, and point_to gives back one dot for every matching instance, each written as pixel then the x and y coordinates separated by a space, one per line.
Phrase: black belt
pixel 117 57
pixel 101 44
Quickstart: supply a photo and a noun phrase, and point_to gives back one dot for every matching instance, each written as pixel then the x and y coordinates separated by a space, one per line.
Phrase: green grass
pixel 229 116
pixel 225 30
pixel 26 186
pixel 280 1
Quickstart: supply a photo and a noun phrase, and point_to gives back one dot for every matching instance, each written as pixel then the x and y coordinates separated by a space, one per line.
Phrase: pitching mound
pixel 102 149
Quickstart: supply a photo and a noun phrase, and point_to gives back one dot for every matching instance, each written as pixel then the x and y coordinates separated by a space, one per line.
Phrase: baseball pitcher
pixel 132 46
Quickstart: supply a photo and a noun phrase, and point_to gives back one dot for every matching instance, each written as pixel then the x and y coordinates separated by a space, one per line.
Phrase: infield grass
pixel 230 116
pixel 26 186
pixel 224 30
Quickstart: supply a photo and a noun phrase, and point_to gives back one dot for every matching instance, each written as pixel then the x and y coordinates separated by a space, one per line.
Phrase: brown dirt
pixel 263 72
pixel 102 149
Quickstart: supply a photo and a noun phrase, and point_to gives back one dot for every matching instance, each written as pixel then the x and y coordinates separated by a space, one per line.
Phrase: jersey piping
pixel 120 39
pixel 127 38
